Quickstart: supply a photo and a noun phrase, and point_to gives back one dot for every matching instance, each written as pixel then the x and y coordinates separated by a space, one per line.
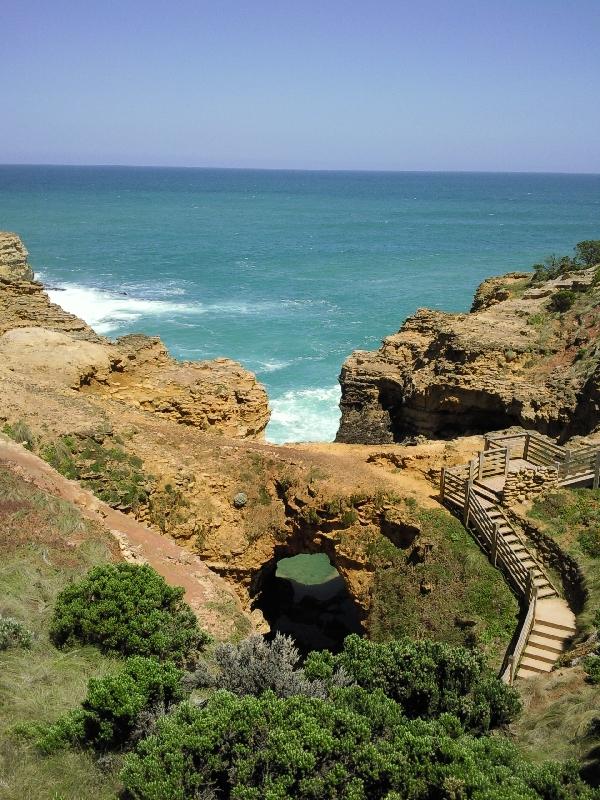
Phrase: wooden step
pixel 535 664
pixel 539 653
pixel 551 628
pixel 525 672
pixel 551 634
pixel 546 643
pixel 549 592
pixel 485 491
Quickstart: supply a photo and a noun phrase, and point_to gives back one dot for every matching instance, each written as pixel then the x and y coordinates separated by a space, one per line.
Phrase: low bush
pixel 127 609
pixel 591 664
pixel 359 747
pixel 562 301
pixel 118 707
pixel 255 665
pixel 112 474
pixel 426 678
pixel 14 634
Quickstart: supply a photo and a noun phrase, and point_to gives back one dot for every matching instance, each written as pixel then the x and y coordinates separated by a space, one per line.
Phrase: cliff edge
pixel 525 355
pixel 42 343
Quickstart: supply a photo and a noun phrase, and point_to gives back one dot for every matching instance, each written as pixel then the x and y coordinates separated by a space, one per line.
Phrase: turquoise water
pixel 287 272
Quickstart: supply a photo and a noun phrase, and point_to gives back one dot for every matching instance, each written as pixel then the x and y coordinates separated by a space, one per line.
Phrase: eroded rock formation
pixel 54 348
pixel 512 360
pixel 13 257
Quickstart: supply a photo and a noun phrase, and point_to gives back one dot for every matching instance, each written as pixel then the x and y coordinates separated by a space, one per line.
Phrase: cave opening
pixel 305 597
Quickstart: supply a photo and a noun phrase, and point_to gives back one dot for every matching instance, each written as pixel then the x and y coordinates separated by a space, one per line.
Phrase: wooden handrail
pixel 519 647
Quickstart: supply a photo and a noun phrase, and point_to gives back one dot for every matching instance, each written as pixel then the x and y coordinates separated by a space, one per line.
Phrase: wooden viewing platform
pixel 475 492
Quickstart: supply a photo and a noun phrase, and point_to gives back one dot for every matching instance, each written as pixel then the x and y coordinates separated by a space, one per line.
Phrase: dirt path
pixel 212 598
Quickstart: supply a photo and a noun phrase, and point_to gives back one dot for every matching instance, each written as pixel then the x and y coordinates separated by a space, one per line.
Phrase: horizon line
pixel 304 169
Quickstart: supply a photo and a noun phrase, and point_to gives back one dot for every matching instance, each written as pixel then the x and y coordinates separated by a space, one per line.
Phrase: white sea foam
pixel 305 415
pixel 270 366
pixel 108 311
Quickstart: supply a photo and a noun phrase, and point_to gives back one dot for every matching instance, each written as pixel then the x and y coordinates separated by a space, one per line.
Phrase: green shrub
pixel 591 664
pixel 426 678
pixel 562 301
pixel 127 609
pixel 14 634
pixel 115 705
pixel 359 747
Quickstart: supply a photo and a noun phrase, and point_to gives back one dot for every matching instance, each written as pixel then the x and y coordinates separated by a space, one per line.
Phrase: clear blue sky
pixel 325 84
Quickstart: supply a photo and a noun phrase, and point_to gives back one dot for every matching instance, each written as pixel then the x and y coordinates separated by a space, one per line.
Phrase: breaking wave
pixel 305 415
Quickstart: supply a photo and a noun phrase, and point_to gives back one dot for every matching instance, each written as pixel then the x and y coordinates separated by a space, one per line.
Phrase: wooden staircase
pixel 549 624
pixel 553 627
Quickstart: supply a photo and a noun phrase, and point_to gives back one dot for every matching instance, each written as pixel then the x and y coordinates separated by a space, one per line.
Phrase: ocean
pixel 284 271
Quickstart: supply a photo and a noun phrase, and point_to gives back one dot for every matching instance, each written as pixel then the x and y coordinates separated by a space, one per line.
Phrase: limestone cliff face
pixel 512 360
pixel 53 348
pixel 13 257
pixel 218 395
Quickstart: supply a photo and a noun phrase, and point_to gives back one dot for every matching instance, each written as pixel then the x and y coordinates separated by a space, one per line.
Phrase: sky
pixel 512 85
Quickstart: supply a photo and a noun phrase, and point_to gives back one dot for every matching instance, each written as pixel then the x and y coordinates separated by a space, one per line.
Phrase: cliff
pixel 13 257
pixel 512 360
pixel 53 348
pixel 176 445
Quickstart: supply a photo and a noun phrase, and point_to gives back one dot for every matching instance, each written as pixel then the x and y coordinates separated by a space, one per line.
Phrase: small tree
pixel 588 252
pixel 127 609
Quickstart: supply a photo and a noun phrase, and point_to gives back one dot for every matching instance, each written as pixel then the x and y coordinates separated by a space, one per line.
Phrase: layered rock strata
pixel 54 348
pixel 13 257
pixel 512 360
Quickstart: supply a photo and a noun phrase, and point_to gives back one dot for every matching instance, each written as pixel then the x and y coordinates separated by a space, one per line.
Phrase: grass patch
pixel 44 544
pixel 447 591
pixel 572 517
pixel 558 719
pixel 114 476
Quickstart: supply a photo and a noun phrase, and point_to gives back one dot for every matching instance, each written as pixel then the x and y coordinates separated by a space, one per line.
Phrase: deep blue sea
pixel 287 272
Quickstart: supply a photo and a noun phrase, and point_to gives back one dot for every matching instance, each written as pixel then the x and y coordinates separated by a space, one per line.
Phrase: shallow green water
pixel 306 568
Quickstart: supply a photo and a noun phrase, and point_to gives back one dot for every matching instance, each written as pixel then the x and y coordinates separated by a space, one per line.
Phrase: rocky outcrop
pixel 25 304
pixel 13 258
pixel 215 395
pixel 40 340
pixel 510 361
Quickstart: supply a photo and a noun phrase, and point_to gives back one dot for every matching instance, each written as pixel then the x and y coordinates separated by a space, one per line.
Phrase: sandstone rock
pixel 58 348
pixel 13 258
pixel 508 362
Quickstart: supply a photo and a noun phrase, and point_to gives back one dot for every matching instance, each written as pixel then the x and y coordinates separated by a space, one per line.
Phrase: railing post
pixel 530 586
pixel 506 460
pixel 597 470
pixel 511 670
pixel 480 470
pixel 468 489
pixel 494 550
pixel 443 483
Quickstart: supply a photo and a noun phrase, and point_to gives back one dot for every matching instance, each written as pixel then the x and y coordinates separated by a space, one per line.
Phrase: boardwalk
pixel 475 492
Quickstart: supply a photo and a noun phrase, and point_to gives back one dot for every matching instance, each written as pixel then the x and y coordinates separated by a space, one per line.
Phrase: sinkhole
pixel 305 597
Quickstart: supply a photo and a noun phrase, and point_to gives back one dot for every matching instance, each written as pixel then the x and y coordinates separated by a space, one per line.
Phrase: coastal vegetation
pixel 127 609
pixel 586 255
